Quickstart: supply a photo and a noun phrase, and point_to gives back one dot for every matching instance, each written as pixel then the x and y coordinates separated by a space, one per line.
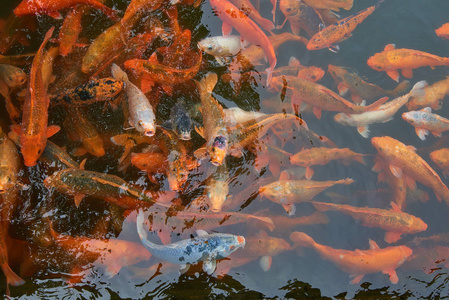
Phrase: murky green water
pixel 295 274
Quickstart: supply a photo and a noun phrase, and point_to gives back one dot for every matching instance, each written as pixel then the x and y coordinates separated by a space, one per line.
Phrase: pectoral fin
pixel 396 171
pixel 392 237
pixel 209 266
pixel 394 74
pixel 78 199
pixel 265 262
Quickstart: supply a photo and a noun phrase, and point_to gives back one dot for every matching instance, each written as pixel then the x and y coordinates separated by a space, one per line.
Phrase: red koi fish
pixel 51 7
pixel 34 131
pixel 233 17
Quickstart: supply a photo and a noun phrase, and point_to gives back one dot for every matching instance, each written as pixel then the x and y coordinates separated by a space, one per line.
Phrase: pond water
pixel 51 271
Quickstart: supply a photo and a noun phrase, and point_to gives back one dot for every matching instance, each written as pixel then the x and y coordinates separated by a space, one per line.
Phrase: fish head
pixel 272 191
pixel 183 127
pixel 15 78
pixel 146 127
pixel 229 243
pixel 289 8
pixel 32 148
pixel 6 180
pixel 315 42
pixel 311 73
pixel 336 71
pixel 378 62
pixel 386 146
pixel 406 252
pixel 440 157
pixel 210 46
pixel 413 117
pixel 94 146
pixel 278 83
pixel 218 150
pixel 53 180
pixel 217 192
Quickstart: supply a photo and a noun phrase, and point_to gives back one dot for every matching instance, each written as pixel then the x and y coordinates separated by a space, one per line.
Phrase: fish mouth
pixel 185 136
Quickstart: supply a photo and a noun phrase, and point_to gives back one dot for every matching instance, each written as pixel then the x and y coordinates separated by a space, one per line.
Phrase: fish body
pixel 12 76
pixel 287 192
pixel 383 114
pixel 141 114
pixel 96 90
pixel 425 121
pixel 348 80
pixel 433 96
pixel 205 247
pixel 319 96
pixel 330 35
pixel 215 132
pixel 443 31
pixel 9 163
pixel 391 60
pixel 403 161
pixel 441 158
pixel 300 16
pixel 51 7
pixel 394 221
pixel 330 4
pixel 232 17
pixel 323 155
pixel 359 262
pixel 34 130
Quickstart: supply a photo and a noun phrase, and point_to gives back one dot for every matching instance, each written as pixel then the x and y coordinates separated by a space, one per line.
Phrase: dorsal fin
pixel 294 62
pixel 284 176
pixel 390 47
pixel 395 207
pixel 201 232
pixel 427 109
pixel 373 245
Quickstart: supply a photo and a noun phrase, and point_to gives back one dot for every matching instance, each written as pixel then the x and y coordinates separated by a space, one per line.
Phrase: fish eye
pixel 209 47
pixel 379 67
pixel 231 247
pixel 288 9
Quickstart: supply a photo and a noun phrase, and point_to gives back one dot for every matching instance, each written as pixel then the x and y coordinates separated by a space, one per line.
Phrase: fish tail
pixel 400 89
pixel 360 159
pixel 11 277
pixel 207 84
pixel 346 181
pixel 375 105
pixel 266 24
pixel 322 206
pixel 118 73
pixel 418 89
pixel 268 222
pixel 302 239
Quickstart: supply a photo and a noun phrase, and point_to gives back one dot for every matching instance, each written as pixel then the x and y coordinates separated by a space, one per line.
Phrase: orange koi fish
pixel 323 155
pixel 394 221
pixel 11 277
pixel 288 192
pixel 340 31
pixel 359 262
pixel 319 96
pixel 433 96
pixel 232 17
pixel 391 60
pixel 441 158
pixel 330 4
pixel 34 130
pixel 246 7
pixel 52 7
pixel 443 31
pixel 218 187
pixel 300 16
pixel 403 160
pixel 424 121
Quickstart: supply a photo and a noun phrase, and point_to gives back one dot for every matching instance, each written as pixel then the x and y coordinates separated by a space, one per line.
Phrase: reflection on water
pixel 98 254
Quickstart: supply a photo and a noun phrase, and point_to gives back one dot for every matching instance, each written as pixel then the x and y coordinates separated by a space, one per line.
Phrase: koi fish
pixel 96 90
pixel 222 47
pixel 214 131
pixel 248 9
pixel 232 17
pixel 9 163
pixel 79 128
pixel 424 121
pixel 330 4
pixel 288 192
pixel 113 254
pixel 348 80
pixel 180 121
pixel 318 96
pixel 205 247
pixel 391 60
pixel 443 31
pixel 323 155
pixel 359 262
pixel 441 158
pixel 329 36
pixel 300 16
pixel 394 221
pixel 141 114
pixel 34 130
pixel 433 96
pixel 383 114
pixel 403 161
pixel 80 182
pixel 151 162
pixel 272 156
pixel 51 8
pixel 217 187
pixel 12 76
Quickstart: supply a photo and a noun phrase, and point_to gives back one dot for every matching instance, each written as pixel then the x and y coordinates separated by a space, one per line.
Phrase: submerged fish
pixel 222 47
pixel 207 248
pixel 433 96
pixel 425 121
pixel 180 121
pixel 441 158
pixel 300 16
pixel 443 31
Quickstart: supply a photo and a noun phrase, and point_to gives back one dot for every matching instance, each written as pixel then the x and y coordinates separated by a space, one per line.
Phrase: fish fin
pixel 364 131
pixel 377 167
pixel 309 173
pixel 55 15
pixel 396 171
pixel 427 109
pixel 78 199
pixel 184 268
pixel 392 237
pixel 112 269
pixel 321 26
pixel 390 47
pixel 209 266
pixel 376 104
pixel 373 245
pixel 226 29
pixel 407 73
pixel 356 279
pixel 356 98
pixel 52 130
pixel 334 48
pixel 200 131
pixel 342 89
pixel 421 133
pixel 284 176
pixel 393 276
pixel 11 277
pixel 437 134
pixel 394 74
pixel 321 206
pixel 16 128
pixel 395 207
pixel 410 182
pixel 317 112
pixel 222 61
pixel 265 262
pixel 83 163
pixel 201 232
pixel 294 62
pixel 79 151
pixel 164 236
